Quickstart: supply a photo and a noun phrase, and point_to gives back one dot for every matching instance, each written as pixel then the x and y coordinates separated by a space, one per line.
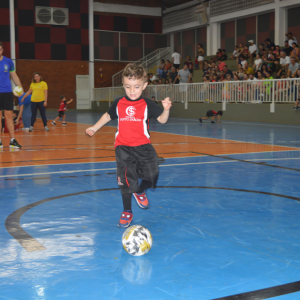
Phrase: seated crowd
pixel 267 61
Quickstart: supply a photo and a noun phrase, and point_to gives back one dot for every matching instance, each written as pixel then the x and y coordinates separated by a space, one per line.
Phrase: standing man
pixel 176 59
pixel 252 50
pixel 184 77
pixel 293 67
pixel 7 70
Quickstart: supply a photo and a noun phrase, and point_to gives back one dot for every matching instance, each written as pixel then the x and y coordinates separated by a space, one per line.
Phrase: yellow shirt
pixel 38 88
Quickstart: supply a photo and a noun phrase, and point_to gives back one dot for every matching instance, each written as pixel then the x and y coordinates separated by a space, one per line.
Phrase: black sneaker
pixel 64 123
pixel 294 108
pixel 1 145
pixel 53 123
pixel 200 120
pixel 15 144
pixel 213 122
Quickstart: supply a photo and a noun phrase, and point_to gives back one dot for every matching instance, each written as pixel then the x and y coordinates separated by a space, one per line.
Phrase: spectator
pixel 153 99
pixel 268 84
pixel 259 75
pixel 253 51
pixel 291 39
pixel 173 76
pixel 243 60
pixel 239 53
pixel 240 72
pixel 295 52
pixel 196 64
pixel 293 67
pixel 168 66
pixel 189 63
pixel 287 48
pixel 236 77
pixel 161 68
pixel 257 63
pixel 222 76
pixel 246 76
pixel 277 52
pixel 271 63
pixel 270 45
pixel 201 53
pixel 252 77
pixel 184 75
pixel 224 55
pixel 206 68
pixel 167 81
pixel 246 51
pixel 270 52
pixel 261 49
pixel 227 71
pixel 284 61
pixel 152 77
pixel 216 57
pixel 278 69
pixel 234 53
pixel 176 59
pixel 264 69
pixel 221 65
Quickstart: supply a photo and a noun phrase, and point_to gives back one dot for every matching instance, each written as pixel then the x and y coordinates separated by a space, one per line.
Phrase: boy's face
pixel 134 87
pixel 64 99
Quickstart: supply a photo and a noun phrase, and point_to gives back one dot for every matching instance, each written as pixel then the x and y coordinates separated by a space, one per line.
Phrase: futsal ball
pixel 18 91
pixel 137 240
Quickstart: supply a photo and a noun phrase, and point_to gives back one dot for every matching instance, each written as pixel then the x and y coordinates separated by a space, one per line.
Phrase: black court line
pixel 13 226
pixel 30 244
pixel 267 293
pixel 247 161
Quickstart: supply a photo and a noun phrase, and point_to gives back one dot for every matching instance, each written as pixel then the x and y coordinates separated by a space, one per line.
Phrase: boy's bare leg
pixel 64 118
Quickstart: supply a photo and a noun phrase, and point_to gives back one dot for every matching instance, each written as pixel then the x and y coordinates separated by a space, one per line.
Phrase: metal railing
pixel 248 91
pixel 150 62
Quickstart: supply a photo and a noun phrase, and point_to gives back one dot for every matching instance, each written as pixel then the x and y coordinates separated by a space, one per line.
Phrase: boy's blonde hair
pixel 135 71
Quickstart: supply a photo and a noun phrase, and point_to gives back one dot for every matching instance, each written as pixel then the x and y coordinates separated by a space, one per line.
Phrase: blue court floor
pixel 221 225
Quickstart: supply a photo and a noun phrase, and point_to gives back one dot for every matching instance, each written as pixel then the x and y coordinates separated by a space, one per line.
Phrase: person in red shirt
pixel 213 114
pixel 61 110
pixel 221 65
pixel 135 155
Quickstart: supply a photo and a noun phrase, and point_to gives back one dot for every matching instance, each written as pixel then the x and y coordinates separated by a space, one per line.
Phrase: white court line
pixel 112 161
pixel 170 165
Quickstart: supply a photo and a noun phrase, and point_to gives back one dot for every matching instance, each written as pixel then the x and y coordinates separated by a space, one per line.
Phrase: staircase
pixel 150 62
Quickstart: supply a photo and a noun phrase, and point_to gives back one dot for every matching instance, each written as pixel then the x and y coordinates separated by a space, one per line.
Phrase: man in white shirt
pixel 176 58
pixel 291 39
pixel 284 61
pixel 253 50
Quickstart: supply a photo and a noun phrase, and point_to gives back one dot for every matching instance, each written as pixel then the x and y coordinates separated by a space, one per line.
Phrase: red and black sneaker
pixel 141 200
pixel 125 220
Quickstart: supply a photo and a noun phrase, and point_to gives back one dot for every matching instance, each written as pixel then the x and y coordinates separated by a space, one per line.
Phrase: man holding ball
pixel 7 70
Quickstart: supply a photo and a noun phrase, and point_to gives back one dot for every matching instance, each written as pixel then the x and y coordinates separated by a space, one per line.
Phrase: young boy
pixel 213 114
pixel 17 122
pixel 61 110
pixel 135 155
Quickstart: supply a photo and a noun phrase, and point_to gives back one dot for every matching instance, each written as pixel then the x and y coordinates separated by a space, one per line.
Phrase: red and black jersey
pixel 133 120
pixel 215 113
pixel 62 106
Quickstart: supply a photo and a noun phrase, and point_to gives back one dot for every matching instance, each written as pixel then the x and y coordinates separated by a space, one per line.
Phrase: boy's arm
pixel 219 118
pixel 103 120
pixel 163 118
pixel 70 101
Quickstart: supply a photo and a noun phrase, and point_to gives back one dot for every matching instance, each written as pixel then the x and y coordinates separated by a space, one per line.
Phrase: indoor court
pixel 224 217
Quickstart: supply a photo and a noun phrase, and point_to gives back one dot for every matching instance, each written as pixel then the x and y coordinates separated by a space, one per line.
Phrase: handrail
pixel 245 91
pixel 146 61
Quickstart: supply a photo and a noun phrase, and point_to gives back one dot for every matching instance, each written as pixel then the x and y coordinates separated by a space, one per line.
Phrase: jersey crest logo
pixel 130 111
pixel 5 68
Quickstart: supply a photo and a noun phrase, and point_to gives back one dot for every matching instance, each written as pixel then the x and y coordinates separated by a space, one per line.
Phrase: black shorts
pixel 61 113
pixel 134 163
pixel 7 101
pixel 176 66
pixel 209 113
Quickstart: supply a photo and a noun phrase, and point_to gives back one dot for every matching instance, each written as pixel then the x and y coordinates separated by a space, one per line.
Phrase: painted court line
pixel 170 165
pixel 110 161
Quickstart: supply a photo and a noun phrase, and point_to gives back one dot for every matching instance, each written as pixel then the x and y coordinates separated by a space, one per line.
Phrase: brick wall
pixel 108 70
pixel 59 75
